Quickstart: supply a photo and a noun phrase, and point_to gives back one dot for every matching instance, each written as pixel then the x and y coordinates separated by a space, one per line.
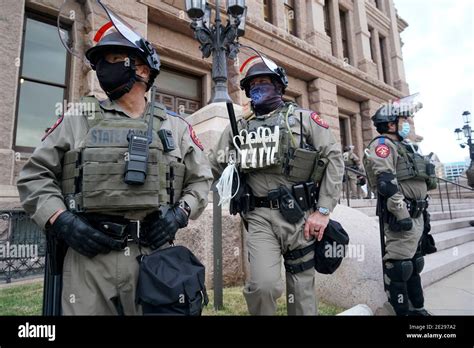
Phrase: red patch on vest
pixel 382 151
pixel 316 118
pixel 195 138
pixel 53 127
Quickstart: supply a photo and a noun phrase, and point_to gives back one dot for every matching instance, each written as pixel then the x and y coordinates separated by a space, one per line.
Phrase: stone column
pixel 233 81
pixel 353 54
pixel 11 28
pixel 323 99
pixel 315 33
pixel 362 39
pixel 278 14
pixel 255 9
pixel 395 54
pixel 336 29
pixel 367 110
pixel 356 132
pixel 378 54
pixel 300 18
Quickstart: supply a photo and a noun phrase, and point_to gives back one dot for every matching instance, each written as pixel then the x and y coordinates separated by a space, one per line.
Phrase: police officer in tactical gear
pixel 293 170
pixel 115 182
pixel 352 161
pixel 402 177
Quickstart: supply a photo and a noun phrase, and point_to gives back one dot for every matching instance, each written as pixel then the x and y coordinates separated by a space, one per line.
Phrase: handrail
pixel 356 171
pixel 458 193
pixel 456 184
pixel 446 182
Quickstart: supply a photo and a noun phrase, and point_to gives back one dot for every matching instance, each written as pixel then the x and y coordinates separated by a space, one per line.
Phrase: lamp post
pixel 466 131
pixel 218 39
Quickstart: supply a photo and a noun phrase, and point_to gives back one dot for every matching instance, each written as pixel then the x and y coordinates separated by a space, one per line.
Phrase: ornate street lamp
pixel 466 116
pixel 466 130
pixel 216 39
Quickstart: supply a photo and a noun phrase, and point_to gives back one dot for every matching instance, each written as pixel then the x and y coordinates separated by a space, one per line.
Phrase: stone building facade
pixel 343 59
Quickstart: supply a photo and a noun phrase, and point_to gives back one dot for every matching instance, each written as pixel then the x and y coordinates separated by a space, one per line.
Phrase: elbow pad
pixel 387 184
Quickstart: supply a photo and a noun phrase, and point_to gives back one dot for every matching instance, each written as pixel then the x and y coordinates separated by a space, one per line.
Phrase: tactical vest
pixel 297 164
pixel 410 165
pixel 93 174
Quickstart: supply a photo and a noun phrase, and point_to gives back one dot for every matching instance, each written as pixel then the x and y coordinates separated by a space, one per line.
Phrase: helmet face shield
pixel 123 28
pixel 271 65
pixel 259 65
pixel 409 105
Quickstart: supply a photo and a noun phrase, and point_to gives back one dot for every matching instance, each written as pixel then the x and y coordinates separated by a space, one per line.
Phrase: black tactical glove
pixel 163 230
pixel 82 237
pixel 401 225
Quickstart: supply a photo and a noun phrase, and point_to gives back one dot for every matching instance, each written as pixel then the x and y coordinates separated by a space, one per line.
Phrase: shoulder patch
pixel 382 151
pixel 53 127
pixel 192 133
pixel 195 138
pixel 317 118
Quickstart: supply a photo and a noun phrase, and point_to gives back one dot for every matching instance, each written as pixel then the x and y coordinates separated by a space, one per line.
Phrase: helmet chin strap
pixel 124 89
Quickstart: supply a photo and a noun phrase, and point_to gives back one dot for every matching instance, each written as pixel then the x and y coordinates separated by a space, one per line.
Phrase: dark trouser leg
pixel 415 290
pixel 397 272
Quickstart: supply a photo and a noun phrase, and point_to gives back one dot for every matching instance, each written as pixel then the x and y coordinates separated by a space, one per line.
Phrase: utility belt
pixel 291 203
pixel 118 228
pixel 416 207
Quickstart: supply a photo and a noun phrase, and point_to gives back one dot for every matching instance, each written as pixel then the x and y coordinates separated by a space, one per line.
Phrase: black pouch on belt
pixel 289 206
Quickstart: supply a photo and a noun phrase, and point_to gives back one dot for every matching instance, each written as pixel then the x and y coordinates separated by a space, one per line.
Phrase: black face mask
pixel 116 79
pixel 266 97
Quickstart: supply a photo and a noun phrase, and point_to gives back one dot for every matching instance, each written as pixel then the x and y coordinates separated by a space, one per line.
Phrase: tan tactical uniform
pixel 351 160
pixel 106 283
pixel 269 234
pixel 399 245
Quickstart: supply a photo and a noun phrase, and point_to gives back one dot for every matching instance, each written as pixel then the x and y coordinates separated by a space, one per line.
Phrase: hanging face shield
pixel 260 65
pixel 147 50
pixel 265 96
pixel 407 107
pixel 68 11
pixel 116 36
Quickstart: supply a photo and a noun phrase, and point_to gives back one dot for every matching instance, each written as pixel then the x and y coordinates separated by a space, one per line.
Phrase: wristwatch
pixel 183 205
pixel 323 211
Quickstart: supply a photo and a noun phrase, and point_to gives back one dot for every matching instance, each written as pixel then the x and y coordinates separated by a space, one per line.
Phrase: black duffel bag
pixel 330 251
pixel 171 282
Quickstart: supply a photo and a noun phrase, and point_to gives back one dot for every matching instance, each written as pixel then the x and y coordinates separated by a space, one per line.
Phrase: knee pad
pixel 398 270
pixel 418 263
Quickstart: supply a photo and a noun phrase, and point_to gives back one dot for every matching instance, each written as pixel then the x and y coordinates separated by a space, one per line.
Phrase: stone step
pixel 456 214
pixel 445 240
pixel 458 210
pixel 446 225
pixel 360 203
pixel 8 191
pixel 445 262
pixel 449 225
